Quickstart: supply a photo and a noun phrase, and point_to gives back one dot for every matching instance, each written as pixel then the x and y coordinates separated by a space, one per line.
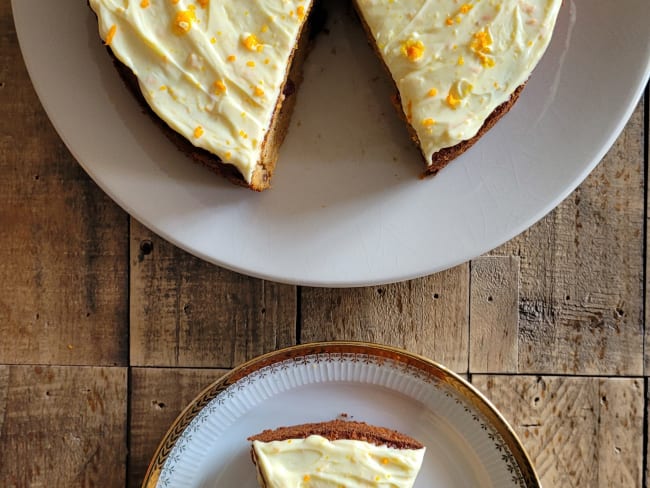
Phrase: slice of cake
pixel 458 66
pixel 336 454
pixel 219 74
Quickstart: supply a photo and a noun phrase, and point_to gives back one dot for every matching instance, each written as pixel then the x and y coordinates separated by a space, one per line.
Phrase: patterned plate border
pixel 506 441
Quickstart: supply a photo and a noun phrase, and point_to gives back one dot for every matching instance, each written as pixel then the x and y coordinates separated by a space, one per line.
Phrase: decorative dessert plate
pixel 468 442
pixel 347 207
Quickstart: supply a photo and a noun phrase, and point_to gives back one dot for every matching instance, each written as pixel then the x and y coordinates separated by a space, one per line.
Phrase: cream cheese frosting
pixel 316 462
pixel 455 62
pixel 212 70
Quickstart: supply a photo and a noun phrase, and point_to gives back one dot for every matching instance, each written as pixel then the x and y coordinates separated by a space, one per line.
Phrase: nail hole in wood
pixel 146 247
pixel 436 296
pixel 490 299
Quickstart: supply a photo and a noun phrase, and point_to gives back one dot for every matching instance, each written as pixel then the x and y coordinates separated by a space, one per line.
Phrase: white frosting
pixel 316 462
pixel 212 70
pixel 454 62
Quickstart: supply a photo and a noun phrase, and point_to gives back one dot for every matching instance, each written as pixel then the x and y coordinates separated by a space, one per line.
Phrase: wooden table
pixel 108 331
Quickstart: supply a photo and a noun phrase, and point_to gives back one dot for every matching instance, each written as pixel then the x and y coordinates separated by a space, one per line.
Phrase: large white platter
pixel 347 207
pixel 468 443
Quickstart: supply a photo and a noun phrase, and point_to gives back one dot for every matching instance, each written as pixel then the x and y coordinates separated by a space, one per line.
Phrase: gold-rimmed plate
pixel 468 442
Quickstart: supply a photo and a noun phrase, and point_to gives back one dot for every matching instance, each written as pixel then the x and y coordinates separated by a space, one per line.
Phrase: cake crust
pixel 339 430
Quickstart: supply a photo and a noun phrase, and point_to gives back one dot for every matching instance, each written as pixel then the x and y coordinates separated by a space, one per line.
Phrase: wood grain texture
pixel 581 294
pixel 428 316
pixel 158 395
pixel 578 431
pixel 186 312
pixel 63 243
pixel 493 318
pixel 646 368
pixel 62 426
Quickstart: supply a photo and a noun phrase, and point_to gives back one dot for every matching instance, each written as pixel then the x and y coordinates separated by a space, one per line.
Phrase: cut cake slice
pixel 334 454
pixel 221 75
pixel 457 67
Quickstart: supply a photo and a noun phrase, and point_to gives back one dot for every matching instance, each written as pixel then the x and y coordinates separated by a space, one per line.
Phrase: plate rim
pixel 463 387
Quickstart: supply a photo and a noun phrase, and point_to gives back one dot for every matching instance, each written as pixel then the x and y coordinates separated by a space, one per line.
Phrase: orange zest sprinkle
pixel 466 7
pixel 384 461
pixel 258 92
pixel 219 87
pixel 449 21
pixel 432 93
pixel 426 123
pixel 452 101
pixel 413 49
pixel 228 155
pixel 250 64
pixel 110 35
pixel 461 60
pixel 301 12
pixel 243 134
pixel 183 21
pixel 203 3
pixel 198 132
pixel 231 58
pixel 480 45
pixel 144 3
pixel 252 43
pixel 264 28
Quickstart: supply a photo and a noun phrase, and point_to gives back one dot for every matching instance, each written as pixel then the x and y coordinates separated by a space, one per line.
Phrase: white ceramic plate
pixel 347 207
pixel 468 443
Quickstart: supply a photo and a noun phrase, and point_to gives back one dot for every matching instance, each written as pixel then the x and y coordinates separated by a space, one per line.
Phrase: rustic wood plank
pixel 493 318
pixel 186 312
pixel 646 368
pixel 578 431
pixel 581 298
pixel 63 426
pixel 647 429
pixel 63 244
pixel 158 395
pixel 428 316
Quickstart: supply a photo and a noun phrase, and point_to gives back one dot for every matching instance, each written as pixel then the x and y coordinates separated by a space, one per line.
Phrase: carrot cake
pixel 334 454
pixel 221 76
pixel 215 72
pixel 458 66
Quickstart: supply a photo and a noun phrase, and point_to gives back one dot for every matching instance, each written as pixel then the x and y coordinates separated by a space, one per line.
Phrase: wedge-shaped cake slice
pixel 218 74
pixel 458 66
pixel 336 454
